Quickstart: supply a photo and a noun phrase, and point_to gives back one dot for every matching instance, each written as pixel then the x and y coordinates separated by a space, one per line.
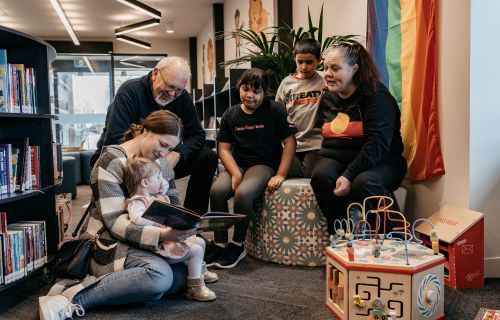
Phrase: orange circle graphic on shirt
pixel 340 123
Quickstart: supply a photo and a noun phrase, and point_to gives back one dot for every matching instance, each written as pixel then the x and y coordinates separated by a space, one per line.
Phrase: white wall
pixel 468 81
pixel 484 186
pixel 340 17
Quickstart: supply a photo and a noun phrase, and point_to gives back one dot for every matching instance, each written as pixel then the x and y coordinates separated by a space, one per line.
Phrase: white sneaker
pixel 58 308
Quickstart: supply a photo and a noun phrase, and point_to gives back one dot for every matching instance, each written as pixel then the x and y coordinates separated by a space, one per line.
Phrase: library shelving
pixel 213 100
pixel 36 204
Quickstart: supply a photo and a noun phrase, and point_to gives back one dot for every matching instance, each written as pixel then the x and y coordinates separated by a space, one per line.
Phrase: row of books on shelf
pixel 19 167
pixel 17 87
pixel 22 248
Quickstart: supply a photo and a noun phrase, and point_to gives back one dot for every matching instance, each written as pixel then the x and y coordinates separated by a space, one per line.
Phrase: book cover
pixel 35 167
pixel 21 87
pixel 21 164
pixel 1 259
pixel 184 219
pixel 4 180
pixel 4 87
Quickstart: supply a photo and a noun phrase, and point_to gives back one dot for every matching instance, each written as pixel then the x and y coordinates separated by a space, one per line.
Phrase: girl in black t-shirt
pixel 256 145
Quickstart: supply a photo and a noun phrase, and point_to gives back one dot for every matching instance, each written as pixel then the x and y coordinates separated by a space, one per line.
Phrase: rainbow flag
pixel 402 38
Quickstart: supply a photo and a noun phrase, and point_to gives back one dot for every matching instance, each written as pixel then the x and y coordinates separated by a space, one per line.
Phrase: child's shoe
pixel 58 308
pixel 197 290
pixel 208 276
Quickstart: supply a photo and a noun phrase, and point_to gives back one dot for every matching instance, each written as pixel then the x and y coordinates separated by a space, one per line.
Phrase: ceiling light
pixel 170 27
pixel 87 62
pixel 137 26
pixel 129 58
pixel 133 41
pixel 65 21
pixel 137 5
pixel 131 64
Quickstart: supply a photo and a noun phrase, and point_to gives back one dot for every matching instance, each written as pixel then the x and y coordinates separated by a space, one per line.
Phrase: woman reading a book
pixel 124 268
pixel 143 179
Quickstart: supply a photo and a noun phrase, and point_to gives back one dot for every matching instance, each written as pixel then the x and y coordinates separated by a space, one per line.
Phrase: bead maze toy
pixel 381 272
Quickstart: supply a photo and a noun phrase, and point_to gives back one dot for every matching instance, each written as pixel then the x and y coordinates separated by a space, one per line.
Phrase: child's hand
pixel 275 182
pixel 235 181
pixel 164 198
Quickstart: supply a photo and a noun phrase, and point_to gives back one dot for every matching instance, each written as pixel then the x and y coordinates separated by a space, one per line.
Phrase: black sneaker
pixel 232 254
pixel 212 253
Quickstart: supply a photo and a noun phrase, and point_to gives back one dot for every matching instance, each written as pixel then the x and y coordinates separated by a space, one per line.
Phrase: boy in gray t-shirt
pixel 300 93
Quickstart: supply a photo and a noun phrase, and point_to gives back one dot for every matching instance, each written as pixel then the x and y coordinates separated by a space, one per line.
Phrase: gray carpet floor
pixel 252 290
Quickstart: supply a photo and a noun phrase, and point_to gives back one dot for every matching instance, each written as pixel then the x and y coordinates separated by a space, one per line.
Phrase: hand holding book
pixel 181 218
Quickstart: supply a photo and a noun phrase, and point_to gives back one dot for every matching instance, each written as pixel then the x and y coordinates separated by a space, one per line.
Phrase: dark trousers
pixel 302 164
pixel 246 197
pixel 201 169
pixel 379 180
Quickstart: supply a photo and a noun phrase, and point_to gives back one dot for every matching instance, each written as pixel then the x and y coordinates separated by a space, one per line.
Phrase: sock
pixel 239 244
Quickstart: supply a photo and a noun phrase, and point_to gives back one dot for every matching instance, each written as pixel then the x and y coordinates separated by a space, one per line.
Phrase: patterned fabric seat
pixel 290 228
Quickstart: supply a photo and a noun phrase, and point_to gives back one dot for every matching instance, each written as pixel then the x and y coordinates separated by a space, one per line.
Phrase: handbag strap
pixel 87 211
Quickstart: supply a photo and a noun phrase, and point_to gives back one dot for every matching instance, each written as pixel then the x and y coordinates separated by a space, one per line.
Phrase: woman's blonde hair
pixel 159 122
pixel 138 168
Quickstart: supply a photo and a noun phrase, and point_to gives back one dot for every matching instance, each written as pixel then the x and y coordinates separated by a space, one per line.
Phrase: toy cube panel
pixel 461 240
pixel 290 229
pixel 410 289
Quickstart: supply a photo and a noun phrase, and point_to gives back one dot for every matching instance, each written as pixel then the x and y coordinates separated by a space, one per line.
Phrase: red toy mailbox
pixel 461 240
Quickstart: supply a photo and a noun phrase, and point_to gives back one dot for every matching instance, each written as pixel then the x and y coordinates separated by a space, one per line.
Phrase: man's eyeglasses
pixel 169 90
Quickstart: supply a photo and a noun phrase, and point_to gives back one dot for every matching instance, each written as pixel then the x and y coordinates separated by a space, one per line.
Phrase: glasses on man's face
pixel 168 89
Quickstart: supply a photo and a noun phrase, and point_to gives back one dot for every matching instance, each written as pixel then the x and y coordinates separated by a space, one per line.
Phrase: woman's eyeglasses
pixel 168 89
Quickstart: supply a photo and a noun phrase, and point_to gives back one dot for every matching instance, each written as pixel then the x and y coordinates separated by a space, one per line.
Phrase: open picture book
pixel 181 218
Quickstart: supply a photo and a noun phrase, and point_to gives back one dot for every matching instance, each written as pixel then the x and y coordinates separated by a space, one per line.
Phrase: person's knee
pixel 217 191
pixel 160 278
pixel 208 158
pixel 366 183
pixel 244 202
pixel 197 251
pixel 319 181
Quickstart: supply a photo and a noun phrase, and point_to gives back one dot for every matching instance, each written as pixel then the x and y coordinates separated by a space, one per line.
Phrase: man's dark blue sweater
pixel 134 101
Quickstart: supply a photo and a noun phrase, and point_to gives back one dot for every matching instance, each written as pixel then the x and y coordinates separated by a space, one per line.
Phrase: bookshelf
pixel 37 204
pixel 212 101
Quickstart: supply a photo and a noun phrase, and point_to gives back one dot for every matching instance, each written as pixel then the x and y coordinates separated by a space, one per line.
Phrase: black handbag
pixel 73 256
pixel 73 259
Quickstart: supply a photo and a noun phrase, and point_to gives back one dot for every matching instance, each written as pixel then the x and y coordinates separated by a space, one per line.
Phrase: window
pixel 82 87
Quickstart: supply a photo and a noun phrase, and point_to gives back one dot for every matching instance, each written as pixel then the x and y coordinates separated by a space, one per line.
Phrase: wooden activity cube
pixel 410 291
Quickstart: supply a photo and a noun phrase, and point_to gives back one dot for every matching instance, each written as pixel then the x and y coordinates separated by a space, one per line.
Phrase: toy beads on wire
pixel 434 237
pixel 347 230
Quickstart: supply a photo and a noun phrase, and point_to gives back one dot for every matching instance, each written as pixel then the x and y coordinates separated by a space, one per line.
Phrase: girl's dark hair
pixel 256 78
pixel 159 122
pixel 366 77
pixel 308 45
pixel 138 168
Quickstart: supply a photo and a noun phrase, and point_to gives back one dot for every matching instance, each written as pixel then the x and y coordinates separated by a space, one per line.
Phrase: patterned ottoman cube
pixel 290 228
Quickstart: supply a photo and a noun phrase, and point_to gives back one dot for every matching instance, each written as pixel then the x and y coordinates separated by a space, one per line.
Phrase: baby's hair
pixel 308 45
pixel 159 122
pixel 256 78
pixel 138 168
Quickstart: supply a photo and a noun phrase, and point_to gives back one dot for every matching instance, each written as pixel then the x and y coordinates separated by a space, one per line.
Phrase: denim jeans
pixel 146 277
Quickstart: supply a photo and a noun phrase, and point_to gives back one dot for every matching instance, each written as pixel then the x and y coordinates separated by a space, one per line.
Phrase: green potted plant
pixel 272 48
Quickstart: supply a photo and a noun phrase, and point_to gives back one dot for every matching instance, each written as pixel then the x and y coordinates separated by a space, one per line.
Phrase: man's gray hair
pixel 178 63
